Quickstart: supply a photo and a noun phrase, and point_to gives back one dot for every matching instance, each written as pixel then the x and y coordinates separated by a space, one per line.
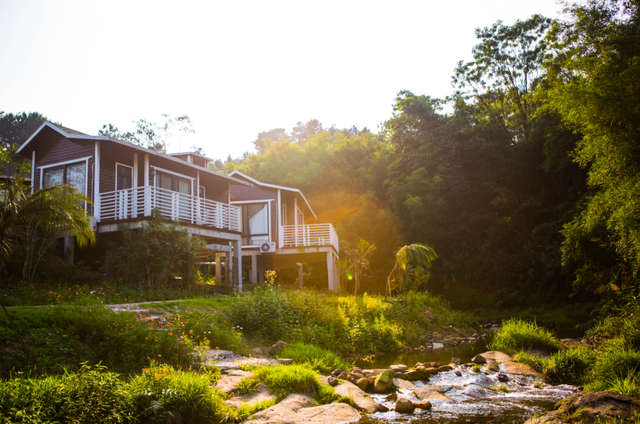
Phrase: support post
pixel 300 276
pixel 254 269
pixel 261 271
pixel 69 246
pixel 237 265
pixel 331 272
pixel 218 274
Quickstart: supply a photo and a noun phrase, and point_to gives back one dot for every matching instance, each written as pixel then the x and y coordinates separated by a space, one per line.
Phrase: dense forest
pixel 525 180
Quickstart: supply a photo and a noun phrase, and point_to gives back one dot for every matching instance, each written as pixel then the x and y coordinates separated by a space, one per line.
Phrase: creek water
pixel 473 395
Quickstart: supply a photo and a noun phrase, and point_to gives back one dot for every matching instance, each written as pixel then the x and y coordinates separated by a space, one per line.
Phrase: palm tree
pixel 416 254
pixel 40 215
pixel 360 261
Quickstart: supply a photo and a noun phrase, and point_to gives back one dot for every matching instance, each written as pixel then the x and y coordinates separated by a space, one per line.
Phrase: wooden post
pixel 237 265
pixel 254 268
pixel 300 276
pixel 218 274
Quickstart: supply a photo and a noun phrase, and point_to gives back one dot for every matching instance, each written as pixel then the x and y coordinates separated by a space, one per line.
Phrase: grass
pixel 516 335
pixel 321 360
pixel 502 388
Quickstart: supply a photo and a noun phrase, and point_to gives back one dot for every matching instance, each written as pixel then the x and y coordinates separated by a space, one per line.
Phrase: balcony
pixel 311 235
pixel 139 202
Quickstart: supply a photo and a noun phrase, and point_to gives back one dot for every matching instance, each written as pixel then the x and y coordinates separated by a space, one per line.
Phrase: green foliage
pixel 616 368
pixel 91 395
pixel 162 392
pixel 502 388
pixel 318 359
pixel 286 379
pixel 517 334
pixel 152 254
pixel 569 366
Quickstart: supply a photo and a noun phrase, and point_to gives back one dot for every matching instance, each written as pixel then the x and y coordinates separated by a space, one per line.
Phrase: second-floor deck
pixel 310 235
pixel 139 202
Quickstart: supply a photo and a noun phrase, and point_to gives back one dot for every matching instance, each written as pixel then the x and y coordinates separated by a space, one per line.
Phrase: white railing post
pixel 147 200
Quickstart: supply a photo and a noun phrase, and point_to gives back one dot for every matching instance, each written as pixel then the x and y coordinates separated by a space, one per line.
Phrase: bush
pixel 319 359
pixel 522 335
pixel 616 369
pixel 287 379
pixel 569 366
pixel 92 395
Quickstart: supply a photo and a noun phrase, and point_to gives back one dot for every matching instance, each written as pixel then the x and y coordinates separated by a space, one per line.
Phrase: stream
pixel 472 399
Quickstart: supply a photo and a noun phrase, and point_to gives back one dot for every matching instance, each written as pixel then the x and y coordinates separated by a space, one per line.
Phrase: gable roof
pixel 77 135
pixel 277 187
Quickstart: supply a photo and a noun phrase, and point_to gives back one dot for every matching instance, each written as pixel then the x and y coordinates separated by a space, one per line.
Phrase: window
pixel 173 183
pixel 300 217
pixel 123 177
pixel 255 224
pixel 201 192
pixel 74 174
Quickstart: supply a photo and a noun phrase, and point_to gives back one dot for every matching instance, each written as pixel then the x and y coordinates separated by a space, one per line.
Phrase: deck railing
pixel 308 235
pixel 141 201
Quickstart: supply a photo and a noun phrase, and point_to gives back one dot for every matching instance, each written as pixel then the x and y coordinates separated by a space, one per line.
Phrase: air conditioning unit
pixel 268 247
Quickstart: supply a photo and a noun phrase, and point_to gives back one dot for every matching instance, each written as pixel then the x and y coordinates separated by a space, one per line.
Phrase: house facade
pixel 126 184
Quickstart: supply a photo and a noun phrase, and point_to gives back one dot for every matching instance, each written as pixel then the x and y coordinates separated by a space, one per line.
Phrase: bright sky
pixel 236 68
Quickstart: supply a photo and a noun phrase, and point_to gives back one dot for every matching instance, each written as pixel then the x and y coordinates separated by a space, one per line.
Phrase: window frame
pixel 64 165
pixel 126 166
pixel 244 215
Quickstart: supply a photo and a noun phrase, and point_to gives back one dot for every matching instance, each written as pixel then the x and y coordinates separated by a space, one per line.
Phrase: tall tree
pixel 417 255
pixel 15 129
pixel 360 262
pixel 595 73
pixel 301 132
pixel 151 134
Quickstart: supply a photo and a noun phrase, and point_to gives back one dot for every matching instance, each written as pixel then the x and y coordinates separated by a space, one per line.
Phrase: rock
pixel 401 368
pixel 383 382
pixel 353 377
pixel 399 374
pixel 336 372
pixel 404 406
pixel 591 407
pixel 435 364
pixel 431 371
pixel 493 367
pixel 570 343
pixel 295 409
pixel 261 394
pixel 356 370
pixel 382 408
pixel 503 377
pixel 285 361
pixel 495 356
pixel 444 368
pixel 437 345
pixel 332 381
pixel 361 400
pixel 342 376
pixel 429 315
pixel 413 375
pixel 430 393
pixel 459 373
pixel 455 361
pixel 277 348
pixel 228 382
pixel 257 351
pixel 423 404
pixel 522 369
pixel 401 384
pixel 363 384
pixel 479 359
pixel 391 397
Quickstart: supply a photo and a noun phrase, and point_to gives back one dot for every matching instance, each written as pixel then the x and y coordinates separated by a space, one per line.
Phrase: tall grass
pixel 518 335
pixel 321 360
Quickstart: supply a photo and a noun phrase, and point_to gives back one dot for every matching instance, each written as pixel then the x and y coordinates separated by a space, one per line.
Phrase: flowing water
pixel 473 398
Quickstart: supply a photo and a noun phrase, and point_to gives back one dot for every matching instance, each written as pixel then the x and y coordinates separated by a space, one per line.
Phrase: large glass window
pixel 123 177
pixel 73 174
pixel 173 183
pixel 255 224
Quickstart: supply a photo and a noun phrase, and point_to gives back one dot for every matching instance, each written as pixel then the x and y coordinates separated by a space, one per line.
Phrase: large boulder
pixel 404 406
pixel 229 380
pixel 430 393
pixel 590 407
pixel 261 394
pixel 277 348
pixel 384 382
pixel 361 400
pixel 296 409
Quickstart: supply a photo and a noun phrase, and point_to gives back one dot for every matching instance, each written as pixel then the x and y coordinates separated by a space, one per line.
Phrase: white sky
pixel 236 68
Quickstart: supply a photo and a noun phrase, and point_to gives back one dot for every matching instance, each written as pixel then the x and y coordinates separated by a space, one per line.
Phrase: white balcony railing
pixel 141 201
pixel 308 235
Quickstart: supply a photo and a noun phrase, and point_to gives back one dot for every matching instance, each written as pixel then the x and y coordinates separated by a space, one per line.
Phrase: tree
pixel 150 134
pixel 416 255
pixel 359 257
pixel 506 69
pixel 595 77
pixel 301 132
pixel 266 138
pixel 37 218
pixel 15 129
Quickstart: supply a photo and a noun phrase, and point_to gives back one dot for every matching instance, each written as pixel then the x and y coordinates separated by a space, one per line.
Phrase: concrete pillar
pixel 69 247
pixel 332 272
pixel 260 271
pixel 218 258
pixel 300 276
pixel 237 265
pixel 254 269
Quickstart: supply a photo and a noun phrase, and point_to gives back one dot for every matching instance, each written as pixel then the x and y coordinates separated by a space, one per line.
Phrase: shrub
pixel 569 366
pixel 615 368
pixel 321 360
pixel 517 334
pixel 286 379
